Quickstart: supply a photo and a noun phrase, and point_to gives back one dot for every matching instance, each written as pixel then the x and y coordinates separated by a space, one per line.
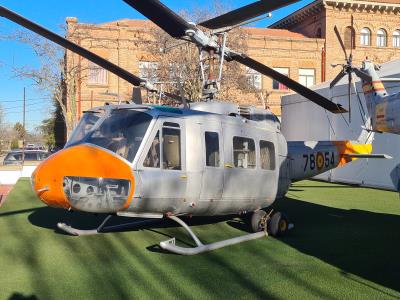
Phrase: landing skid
pixel 170 245
pixel 102 228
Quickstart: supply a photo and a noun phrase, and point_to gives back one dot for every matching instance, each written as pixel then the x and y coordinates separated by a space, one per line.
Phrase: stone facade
pixel 303 42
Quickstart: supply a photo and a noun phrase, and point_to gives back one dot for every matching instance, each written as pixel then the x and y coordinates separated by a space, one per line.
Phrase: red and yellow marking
pixel 346 147
pixel 79 161
pixel 374 86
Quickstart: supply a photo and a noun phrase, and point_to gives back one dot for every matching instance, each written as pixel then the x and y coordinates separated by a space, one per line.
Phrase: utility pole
pixel 23 126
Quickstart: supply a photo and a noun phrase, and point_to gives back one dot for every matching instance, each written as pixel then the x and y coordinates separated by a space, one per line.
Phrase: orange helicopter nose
pixel 85 178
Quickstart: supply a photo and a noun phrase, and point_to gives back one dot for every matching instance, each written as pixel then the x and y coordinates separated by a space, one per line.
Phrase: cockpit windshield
pixel 85 125
pixel 121 131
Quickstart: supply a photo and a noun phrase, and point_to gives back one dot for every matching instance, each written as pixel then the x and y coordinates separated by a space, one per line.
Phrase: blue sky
pixel 52 14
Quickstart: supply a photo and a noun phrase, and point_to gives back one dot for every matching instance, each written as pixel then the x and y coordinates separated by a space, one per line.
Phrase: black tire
pixel 255 221
pixel 278 225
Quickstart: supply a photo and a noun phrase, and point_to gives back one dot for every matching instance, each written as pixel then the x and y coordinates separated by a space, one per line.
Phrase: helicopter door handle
pixel 228 166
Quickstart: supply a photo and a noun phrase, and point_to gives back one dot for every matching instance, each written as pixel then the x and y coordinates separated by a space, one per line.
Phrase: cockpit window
pixel 85 125
pixel 121 132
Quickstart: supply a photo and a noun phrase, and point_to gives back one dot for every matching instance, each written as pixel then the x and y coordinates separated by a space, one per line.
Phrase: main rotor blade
pixel 245 13
pixel 161 15
pixel 362 75
pixel 341 42
pixel 71 46
pixel 290 83
pixel 337 78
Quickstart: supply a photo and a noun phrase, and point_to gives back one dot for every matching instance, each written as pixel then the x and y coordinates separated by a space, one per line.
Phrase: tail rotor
pixel 348 68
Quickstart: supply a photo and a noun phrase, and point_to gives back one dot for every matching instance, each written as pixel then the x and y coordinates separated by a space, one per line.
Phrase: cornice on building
pixel 317 6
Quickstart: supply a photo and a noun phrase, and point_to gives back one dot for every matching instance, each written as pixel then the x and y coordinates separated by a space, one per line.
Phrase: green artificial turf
pixel 345 245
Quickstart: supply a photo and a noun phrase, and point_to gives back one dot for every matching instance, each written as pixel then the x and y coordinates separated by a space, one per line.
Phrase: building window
pixel 148 70
pixel 244 153
pixel 349 38
pixel 254 79
pixel 276 85
pixel 365 37
pixel 307 77
pixel 396 39
pixel 267 155
pixel 212 149
pixel 381 39
pixel 96 74
pixel 171 145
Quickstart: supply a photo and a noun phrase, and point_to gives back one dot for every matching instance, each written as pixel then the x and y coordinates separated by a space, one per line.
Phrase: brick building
pixel 301 45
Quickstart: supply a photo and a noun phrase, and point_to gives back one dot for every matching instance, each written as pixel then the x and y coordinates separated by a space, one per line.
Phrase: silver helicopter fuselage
pixel 212 159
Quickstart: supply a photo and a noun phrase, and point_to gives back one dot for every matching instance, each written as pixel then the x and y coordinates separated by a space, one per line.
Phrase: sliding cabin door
pixel 212 152
pixel 162 169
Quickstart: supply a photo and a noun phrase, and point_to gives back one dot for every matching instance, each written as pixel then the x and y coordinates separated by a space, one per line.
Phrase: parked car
pixel 15 156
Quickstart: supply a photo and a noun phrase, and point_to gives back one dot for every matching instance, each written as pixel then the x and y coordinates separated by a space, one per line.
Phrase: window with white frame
pixel 254 79
pixel 365 37
pixel 97 75
pixel 276 85
pixel 381 38
pixel 396 39
pixel 307 77
pixel 148 70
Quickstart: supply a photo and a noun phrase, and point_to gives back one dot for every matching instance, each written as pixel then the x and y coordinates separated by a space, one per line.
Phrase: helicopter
pixel 383 109
pixel 208 158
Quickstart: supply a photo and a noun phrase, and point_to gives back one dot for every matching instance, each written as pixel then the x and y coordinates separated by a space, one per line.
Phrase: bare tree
pixel 178 63
pixel 51 76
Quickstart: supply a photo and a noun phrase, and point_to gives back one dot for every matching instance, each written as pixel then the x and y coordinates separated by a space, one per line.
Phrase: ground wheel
pixel 257 221
pixel 278 225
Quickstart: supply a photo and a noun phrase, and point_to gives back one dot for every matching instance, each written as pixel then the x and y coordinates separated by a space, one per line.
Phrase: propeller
pixel 120 72
pixel 348 68
pixel 245 13
pixel 177 27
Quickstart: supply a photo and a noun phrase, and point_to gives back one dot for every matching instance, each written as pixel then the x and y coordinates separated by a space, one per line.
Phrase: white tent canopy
pixel 303 120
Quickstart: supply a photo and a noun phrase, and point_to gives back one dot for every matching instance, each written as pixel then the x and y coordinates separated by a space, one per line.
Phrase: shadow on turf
pixel 18 296
pixel 362 243
pixel 358 242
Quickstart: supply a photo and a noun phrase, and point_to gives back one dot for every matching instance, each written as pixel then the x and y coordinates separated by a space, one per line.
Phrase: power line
pixel 16 107
pixel 21 100
pixel 18 112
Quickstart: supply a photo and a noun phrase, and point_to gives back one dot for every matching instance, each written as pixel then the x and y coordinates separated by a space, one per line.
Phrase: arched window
pixel 381 38
pixel 365 37
pixel 349 38
pixel 396 39
pixel 319 33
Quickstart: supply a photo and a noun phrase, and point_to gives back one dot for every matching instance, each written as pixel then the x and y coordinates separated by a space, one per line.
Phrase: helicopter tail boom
pixel 309 159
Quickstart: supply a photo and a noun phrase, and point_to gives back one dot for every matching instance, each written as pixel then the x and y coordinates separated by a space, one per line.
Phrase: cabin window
pixel 153 156
pixel 244 153
pixel 212 149
pixel 171 145
pixel 267 155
